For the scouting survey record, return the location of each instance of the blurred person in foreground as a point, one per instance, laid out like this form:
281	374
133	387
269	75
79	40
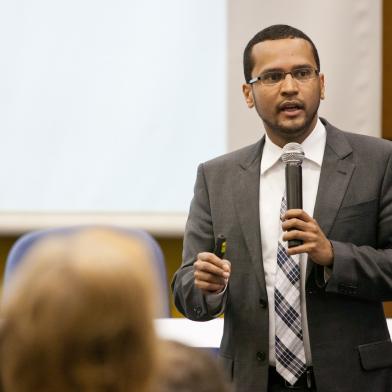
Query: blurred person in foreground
182	368
78	316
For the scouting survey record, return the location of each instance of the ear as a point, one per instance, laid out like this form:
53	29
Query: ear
322	86
248	94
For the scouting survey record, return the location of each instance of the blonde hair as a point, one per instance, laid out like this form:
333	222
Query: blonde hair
79	316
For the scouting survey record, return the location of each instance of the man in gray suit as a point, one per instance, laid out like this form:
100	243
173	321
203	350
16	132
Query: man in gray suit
344	265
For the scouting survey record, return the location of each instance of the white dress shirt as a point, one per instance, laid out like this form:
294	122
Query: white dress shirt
272	188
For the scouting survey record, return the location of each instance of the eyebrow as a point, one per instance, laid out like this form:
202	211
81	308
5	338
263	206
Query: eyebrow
282	70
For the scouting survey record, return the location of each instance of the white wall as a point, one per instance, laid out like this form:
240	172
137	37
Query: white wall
348	37
108	107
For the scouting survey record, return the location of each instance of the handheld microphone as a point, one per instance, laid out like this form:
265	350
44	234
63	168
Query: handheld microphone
292	157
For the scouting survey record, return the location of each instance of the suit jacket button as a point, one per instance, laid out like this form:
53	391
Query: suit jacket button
260	355
262	303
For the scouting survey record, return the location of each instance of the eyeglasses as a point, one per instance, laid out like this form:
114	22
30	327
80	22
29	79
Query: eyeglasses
274	77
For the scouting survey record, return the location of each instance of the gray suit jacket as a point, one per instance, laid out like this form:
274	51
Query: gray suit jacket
350	343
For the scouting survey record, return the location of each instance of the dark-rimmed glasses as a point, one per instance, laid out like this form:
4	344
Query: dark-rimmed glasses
274	77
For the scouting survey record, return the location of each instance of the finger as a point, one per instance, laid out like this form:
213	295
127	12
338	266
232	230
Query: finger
208	257
322	255
211	258
305	236
209	278
296	250
211	268
311	248
299	224
227	266
297	213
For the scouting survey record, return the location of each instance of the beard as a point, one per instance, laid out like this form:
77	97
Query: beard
294	130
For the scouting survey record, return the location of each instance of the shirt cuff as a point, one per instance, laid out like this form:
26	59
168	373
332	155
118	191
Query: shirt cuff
327	274
216	302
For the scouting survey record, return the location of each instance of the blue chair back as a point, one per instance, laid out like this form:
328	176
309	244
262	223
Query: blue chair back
26	241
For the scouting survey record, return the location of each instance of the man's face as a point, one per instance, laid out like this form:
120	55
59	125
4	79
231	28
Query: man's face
289	108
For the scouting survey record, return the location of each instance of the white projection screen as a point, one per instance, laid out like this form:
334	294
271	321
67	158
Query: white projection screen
107	108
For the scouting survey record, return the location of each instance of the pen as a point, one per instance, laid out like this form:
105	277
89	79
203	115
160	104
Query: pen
220	246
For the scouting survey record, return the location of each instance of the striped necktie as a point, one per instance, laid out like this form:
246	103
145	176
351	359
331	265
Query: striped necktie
289	346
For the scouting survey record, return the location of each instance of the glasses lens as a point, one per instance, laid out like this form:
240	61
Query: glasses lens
302	74
272	77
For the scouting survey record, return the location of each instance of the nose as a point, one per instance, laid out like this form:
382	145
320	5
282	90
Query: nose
289	85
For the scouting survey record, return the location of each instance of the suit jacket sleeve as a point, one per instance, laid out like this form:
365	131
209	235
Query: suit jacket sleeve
199	237
365	271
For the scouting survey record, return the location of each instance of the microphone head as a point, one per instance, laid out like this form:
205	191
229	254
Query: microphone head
292	154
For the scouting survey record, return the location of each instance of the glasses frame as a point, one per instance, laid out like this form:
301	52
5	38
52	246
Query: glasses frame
258	78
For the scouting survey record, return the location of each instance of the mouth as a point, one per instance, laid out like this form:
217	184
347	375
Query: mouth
291	108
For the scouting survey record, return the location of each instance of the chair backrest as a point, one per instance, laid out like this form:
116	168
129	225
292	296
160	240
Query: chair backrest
26	241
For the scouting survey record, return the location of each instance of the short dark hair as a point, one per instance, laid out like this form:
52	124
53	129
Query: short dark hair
274	32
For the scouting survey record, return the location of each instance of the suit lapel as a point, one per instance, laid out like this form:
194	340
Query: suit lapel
246	200
335	175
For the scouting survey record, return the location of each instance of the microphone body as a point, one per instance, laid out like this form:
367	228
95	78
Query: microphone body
293	156
294	193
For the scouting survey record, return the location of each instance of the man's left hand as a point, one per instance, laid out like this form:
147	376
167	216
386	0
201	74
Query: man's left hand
302	227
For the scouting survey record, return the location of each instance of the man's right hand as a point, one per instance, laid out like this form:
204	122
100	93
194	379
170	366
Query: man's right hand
211	273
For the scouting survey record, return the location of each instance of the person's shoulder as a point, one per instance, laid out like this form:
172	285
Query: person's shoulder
368	142
243	156
358	142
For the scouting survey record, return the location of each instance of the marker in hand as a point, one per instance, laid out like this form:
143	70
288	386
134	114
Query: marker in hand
220	246
219	251
211	273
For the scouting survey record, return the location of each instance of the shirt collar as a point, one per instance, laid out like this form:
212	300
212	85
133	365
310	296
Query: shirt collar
313	147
